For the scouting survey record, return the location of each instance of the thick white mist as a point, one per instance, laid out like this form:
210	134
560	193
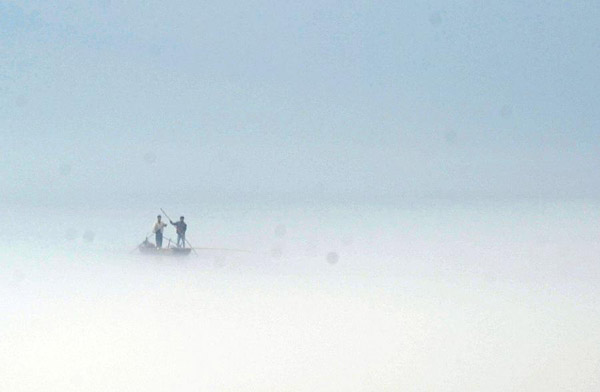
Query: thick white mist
439	297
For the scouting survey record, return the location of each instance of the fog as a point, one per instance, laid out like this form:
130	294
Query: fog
334	100
380	196
435	296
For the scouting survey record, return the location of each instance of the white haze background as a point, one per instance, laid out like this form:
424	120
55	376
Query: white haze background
415	181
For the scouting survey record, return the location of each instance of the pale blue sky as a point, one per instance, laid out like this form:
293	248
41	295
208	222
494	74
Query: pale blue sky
312	100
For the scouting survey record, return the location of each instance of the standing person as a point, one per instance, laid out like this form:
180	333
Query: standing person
181	229
159	226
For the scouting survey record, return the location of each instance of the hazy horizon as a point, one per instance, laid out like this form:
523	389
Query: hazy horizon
317	100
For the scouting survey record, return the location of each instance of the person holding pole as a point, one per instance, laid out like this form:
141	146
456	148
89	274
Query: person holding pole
183	240
158	229
181	228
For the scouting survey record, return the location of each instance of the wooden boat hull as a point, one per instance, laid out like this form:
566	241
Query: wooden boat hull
165	251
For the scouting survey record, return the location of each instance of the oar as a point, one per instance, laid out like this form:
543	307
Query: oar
188	242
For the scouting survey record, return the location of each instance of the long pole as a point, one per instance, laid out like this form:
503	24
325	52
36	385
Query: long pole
188	242
227	249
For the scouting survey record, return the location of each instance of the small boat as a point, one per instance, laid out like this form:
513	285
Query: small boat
149	248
